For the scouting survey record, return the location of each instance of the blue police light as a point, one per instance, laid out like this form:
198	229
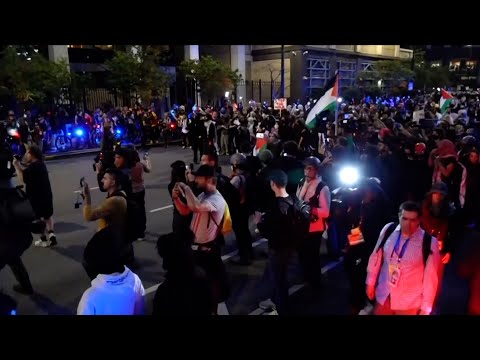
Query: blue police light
79	132
69	134
118	132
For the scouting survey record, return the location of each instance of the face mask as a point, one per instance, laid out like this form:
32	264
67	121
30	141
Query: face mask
276	126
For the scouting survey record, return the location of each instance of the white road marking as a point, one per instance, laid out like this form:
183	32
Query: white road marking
93	188
297	287
222	309
162	208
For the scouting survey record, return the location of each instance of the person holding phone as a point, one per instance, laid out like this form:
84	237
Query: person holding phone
39	192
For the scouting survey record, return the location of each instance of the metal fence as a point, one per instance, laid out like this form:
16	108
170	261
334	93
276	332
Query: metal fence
90	99
259	90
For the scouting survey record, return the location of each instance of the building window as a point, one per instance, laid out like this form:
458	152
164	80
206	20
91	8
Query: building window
368	67
104	47
318	73
347	71
454	65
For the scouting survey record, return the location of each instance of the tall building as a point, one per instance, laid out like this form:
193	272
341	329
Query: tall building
461	60
306	67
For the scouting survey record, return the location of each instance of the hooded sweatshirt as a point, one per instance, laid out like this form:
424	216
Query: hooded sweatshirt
114	294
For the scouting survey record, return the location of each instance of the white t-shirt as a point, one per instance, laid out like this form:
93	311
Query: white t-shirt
114	294
205	225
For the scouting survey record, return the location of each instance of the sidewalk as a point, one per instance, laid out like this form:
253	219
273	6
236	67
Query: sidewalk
67	154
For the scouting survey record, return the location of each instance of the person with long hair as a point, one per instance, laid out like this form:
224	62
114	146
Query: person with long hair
139	168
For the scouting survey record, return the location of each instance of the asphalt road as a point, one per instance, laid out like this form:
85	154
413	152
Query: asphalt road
57	274
60	280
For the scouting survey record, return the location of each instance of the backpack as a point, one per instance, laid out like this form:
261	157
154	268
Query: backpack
301	215
427	240
225	226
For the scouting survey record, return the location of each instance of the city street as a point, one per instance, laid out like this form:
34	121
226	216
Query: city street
59	278
57	274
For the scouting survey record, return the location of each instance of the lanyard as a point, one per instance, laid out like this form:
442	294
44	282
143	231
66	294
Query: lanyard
397	245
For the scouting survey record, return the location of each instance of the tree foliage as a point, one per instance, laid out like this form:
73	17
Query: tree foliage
138	74
213	76
32	77
391	72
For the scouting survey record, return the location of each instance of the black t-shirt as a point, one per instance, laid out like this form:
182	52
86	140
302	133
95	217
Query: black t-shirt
37	182
277	224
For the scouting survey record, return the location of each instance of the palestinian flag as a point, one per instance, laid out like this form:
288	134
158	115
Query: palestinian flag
260	144
327	102
445	101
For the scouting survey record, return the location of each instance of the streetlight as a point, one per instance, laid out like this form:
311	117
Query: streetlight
339	100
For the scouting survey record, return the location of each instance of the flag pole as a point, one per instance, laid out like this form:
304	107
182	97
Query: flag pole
336	105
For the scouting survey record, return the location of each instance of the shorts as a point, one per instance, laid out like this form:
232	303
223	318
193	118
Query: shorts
42	209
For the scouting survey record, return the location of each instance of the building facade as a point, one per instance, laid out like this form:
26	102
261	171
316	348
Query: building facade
306	67
461	60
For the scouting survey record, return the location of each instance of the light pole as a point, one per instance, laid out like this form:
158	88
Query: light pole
282	73
339	101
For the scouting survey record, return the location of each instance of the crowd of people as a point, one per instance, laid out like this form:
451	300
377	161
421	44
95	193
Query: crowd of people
396	225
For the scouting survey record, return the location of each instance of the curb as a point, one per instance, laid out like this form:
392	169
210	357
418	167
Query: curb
64	155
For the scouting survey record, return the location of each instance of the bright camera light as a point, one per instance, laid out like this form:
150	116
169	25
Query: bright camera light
349	175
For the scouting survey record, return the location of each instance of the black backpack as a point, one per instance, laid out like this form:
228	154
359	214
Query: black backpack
300	213
426	245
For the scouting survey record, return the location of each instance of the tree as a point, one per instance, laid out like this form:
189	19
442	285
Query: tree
124	74
32	77
352	92
137	73
428	77
212	76
391	73
80	82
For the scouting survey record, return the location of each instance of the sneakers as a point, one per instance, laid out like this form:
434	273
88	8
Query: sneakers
267	305
43	242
